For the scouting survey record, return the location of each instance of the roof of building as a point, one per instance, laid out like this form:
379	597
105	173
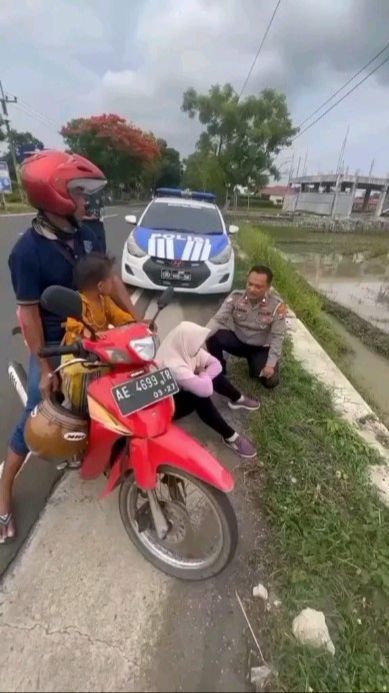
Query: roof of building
276	190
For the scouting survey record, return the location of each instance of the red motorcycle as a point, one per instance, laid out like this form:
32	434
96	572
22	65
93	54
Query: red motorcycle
172	496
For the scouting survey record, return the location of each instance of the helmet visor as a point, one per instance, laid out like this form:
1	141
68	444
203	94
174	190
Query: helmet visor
86	186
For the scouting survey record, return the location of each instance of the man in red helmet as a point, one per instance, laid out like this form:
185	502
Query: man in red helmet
57	185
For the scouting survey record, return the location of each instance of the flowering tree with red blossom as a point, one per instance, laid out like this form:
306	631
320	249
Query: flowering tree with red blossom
120	149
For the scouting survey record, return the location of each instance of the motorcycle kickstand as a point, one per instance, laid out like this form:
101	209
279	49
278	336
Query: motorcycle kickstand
161	525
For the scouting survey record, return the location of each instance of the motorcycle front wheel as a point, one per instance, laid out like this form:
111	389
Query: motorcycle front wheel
203	531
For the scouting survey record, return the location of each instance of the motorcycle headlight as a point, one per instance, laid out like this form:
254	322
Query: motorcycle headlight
223	257
133	248
146	348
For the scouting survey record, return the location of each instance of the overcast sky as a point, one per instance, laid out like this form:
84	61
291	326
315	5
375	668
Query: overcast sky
66	58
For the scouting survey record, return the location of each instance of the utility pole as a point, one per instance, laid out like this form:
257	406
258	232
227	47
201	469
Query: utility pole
305	164
340	166
291	168
298	167
5	100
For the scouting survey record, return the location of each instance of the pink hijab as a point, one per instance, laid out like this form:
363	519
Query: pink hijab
182	350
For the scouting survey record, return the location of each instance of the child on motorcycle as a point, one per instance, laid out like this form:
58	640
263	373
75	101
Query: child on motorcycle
93	276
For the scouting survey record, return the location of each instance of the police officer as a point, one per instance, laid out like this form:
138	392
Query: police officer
251	324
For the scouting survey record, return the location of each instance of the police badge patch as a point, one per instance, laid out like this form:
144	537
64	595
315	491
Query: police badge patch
88	246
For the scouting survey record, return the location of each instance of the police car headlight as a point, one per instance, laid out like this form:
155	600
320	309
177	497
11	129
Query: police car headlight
133	248
223	257
146	347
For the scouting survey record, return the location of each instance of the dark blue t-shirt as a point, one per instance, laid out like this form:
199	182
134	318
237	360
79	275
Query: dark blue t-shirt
97	226
36	263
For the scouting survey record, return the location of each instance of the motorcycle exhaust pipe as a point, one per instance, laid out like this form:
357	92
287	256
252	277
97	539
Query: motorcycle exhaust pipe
18	378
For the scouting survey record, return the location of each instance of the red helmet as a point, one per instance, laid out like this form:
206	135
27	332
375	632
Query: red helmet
50	176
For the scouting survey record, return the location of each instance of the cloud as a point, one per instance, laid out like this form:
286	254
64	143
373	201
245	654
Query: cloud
138	58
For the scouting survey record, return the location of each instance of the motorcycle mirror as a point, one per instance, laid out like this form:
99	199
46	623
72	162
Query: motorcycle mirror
62	302
165	298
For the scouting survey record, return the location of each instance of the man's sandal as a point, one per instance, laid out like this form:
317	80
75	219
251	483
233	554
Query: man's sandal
6	521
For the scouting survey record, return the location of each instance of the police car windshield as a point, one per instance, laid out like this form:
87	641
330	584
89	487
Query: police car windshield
183	218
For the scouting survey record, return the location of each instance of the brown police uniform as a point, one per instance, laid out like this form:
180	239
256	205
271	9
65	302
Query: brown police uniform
254	331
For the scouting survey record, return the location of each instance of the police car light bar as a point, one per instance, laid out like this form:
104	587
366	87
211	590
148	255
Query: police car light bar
193	194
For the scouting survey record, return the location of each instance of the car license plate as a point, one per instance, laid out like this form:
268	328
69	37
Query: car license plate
141	392
176	275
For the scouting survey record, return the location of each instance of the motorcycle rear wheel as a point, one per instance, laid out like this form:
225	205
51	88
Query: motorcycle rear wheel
178	554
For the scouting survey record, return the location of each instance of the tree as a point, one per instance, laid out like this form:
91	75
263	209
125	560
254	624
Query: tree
20	140
119	148
245	136
169	175
164	172
204	172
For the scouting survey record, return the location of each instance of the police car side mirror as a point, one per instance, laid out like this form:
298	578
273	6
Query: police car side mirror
233	229
62	302
130	219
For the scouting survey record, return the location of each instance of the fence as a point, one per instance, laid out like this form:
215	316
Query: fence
325	204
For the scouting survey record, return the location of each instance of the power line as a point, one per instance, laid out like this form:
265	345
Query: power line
342	98
344	85
260	48
36	116
38	113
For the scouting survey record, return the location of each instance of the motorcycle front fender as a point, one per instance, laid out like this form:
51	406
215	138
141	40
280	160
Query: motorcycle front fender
175	448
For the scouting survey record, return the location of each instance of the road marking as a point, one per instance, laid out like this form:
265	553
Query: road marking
109	216
26	460
17	214
135	296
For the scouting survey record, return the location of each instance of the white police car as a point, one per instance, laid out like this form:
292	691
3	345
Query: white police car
181	241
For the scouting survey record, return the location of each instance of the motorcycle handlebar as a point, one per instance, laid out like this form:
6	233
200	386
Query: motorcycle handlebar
57	350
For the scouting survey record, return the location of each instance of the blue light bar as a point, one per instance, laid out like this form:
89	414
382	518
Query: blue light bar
169	192
178	192
206	196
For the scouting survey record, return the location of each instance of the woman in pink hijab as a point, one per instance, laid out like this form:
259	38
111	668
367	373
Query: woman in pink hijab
198	375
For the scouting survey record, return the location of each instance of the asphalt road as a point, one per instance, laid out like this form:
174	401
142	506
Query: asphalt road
103	618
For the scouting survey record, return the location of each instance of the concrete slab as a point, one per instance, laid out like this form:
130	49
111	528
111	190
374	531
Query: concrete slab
81	608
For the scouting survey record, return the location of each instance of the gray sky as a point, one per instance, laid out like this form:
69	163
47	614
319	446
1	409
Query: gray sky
65	59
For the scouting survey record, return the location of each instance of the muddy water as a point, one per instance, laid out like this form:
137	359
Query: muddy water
360	282
368	371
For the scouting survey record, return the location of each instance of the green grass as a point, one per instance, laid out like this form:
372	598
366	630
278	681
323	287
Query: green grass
259	209
329	538
295	290
321	241
328	545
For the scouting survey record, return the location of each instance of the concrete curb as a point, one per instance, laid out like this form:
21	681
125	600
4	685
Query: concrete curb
347	401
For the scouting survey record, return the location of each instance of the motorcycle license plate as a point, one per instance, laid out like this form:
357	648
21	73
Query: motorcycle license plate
141	392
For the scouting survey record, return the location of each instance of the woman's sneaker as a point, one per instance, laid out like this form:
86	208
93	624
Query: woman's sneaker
244	402
242	447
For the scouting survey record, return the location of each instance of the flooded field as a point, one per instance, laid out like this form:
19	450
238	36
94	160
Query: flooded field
352	270
357	280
